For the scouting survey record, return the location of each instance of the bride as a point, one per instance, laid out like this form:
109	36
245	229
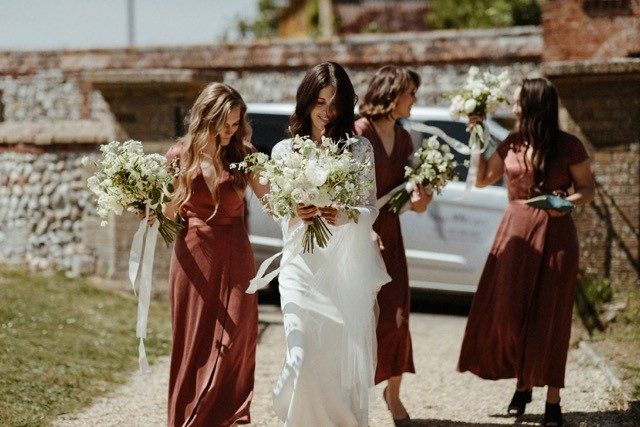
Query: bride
328	297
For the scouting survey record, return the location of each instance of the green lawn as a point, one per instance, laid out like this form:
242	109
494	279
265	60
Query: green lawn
65	341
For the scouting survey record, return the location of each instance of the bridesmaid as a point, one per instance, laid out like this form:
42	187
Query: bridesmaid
390	96
520	319
214	321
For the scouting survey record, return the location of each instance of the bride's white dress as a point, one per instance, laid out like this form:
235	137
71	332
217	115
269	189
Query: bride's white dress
328	300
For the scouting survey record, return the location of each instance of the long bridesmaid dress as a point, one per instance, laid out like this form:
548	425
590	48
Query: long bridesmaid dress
520	319
395	353
215	323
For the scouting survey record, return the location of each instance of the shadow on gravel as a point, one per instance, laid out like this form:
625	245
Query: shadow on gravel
440	303
445	423
630	417
421	301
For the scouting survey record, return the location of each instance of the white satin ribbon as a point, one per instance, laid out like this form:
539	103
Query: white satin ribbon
293	245
141	274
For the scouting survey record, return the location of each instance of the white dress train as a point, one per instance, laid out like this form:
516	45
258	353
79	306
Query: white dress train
328	300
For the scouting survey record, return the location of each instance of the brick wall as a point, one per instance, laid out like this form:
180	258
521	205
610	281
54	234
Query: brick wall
382	17
601	104
573	30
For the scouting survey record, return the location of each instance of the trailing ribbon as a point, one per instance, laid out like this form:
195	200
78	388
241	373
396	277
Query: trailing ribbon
141	261
294	240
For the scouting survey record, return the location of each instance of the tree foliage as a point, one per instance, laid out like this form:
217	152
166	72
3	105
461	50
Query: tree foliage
266	24
449	14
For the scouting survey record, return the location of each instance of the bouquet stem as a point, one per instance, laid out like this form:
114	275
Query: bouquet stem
168	229
397	201
316	233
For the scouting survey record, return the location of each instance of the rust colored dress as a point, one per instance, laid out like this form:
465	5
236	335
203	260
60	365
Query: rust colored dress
395	354
520	319
215	323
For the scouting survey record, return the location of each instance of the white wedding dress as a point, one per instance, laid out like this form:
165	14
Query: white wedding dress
328	300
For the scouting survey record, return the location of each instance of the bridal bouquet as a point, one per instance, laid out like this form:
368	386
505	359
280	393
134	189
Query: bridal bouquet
321	175
126	179
433	168
481	95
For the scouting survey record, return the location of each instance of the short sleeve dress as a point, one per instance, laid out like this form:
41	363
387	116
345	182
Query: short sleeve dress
520	319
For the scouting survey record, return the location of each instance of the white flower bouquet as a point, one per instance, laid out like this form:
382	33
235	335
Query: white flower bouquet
481	95
433	168
321	175
126	179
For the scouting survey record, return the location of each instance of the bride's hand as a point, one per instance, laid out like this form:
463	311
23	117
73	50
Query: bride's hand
306	213
330	214
377	240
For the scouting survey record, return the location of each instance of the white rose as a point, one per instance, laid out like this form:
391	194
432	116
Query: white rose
470	106
316	174
409	186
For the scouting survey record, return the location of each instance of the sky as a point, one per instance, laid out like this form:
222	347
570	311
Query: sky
72	24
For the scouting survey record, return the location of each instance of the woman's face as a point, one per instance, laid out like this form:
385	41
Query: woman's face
230	127
405	101
323	111
517	107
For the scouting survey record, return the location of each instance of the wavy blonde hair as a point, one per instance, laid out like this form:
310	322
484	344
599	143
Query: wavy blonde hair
386	85
208	117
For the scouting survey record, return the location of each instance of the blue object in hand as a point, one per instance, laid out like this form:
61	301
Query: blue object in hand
550	202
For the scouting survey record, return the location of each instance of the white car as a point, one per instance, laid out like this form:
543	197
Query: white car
446	246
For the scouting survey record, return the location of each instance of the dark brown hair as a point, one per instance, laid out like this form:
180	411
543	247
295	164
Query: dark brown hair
539	125
386	85
344	100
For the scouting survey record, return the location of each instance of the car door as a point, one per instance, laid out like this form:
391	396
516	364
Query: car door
447	245
264	233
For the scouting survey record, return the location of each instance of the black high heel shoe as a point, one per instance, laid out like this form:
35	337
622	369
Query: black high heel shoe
519	402
552	414
405	422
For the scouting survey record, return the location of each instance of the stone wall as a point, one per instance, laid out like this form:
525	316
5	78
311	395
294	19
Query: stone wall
43	198
139	92
281	86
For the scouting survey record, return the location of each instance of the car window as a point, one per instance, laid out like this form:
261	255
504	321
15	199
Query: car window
267	130
456	130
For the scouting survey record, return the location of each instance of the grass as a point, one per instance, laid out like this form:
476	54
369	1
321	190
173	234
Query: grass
621	342
63	342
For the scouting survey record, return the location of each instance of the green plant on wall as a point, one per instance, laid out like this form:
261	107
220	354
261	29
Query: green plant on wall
450	14
592	293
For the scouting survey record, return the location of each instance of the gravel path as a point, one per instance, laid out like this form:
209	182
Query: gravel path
436	396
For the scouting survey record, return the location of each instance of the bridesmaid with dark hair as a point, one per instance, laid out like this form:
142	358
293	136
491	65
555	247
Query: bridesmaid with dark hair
520	319
390	96
215	323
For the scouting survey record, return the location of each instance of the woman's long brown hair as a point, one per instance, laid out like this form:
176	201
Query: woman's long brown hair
207	119
323	75
539	125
